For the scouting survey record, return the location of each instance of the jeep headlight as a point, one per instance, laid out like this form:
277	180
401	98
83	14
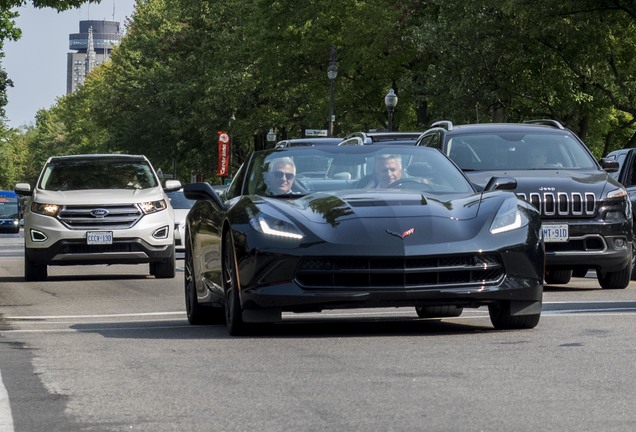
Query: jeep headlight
617	193
45	209
509	217
153	206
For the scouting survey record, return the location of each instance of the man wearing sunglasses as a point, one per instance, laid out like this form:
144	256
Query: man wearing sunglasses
280	176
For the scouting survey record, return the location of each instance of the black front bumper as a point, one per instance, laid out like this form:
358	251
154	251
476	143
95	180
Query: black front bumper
122	251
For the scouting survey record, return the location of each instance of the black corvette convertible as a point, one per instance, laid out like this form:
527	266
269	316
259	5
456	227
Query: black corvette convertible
303	229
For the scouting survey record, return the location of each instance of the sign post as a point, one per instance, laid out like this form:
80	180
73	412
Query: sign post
225	151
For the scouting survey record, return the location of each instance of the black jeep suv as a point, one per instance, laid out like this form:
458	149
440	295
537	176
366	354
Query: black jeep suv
586	214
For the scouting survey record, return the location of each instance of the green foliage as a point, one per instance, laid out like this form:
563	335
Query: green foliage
13	158
189	68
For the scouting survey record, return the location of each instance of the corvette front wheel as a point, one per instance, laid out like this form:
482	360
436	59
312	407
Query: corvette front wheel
233	310
197	313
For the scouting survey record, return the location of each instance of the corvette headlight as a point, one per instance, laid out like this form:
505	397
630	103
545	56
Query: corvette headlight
275	226
508	218
45	209
153	206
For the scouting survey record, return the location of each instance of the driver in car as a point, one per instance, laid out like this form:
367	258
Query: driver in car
387	170
280	176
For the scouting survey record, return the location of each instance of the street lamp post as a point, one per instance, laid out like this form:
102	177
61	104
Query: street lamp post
390	100
271	137
332	73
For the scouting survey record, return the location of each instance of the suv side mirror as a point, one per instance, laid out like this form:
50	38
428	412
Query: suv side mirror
23	189
172	185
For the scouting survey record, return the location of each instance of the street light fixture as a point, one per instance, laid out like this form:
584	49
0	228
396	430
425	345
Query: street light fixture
332	73
390	100
271	137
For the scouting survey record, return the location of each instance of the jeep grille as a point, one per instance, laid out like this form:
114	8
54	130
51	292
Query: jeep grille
118	217
562	203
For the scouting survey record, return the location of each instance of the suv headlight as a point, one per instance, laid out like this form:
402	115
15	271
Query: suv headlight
617	193
153	206
46	209
508	218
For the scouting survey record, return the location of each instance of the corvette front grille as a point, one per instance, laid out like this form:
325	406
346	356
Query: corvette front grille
409	272
582	204
116	216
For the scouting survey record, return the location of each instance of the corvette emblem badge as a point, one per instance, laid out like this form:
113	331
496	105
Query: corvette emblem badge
406	233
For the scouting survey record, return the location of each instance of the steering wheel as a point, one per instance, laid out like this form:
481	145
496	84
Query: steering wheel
405	183
299	187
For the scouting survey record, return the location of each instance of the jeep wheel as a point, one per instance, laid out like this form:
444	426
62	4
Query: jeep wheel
558	276
502	318
615	280
445	311
579	273
33	271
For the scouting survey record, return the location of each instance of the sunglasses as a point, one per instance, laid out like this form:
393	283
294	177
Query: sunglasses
278	175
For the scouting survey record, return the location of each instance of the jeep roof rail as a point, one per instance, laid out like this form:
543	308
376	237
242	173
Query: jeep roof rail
446	124
547	122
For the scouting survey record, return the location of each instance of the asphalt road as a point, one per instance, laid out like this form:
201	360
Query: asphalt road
101	348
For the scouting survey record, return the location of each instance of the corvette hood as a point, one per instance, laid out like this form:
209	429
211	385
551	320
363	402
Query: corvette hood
96	196
331	208
370	219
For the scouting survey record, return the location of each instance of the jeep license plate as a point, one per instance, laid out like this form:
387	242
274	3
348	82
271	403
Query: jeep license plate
99	237
555	233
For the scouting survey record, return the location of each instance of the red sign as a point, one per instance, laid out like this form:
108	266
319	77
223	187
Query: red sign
225	149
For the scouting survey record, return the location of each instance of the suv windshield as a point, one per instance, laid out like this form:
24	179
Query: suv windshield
518	151
81	174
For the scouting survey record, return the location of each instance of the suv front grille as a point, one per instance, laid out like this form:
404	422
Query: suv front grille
563	204
114	217
409	272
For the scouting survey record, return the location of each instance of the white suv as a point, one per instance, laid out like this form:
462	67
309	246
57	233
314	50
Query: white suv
98	209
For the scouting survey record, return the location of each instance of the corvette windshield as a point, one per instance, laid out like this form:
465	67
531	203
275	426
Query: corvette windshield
303	170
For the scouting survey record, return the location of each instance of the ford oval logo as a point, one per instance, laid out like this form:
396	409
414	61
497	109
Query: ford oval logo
99	213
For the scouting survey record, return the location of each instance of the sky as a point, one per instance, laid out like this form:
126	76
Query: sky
36	63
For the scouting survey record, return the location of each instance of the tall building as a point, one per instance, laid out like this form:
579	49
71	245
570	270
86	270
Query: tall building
92	45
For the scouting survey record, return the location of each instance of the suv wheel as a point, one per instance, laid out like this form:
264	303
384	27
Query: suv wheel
164	269
445	311
33	271
502	318
558	276
615	280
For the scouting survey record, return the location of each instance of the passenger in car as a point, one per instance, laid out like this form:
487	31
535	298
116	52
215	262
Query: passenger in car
387	170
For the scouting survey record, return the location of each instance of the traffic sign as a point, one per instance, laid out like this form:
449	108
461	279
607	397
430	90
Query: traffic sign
315	132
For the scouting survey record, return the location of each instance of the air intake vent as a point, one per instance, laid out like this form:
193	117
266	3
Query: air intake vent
411	272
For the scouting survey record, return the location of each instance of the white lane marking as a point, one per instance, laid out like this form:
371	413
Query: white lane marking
6	419
43	317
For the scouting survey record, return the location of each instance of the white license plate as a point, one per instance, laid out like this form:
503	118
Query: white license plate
99	237
555	233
